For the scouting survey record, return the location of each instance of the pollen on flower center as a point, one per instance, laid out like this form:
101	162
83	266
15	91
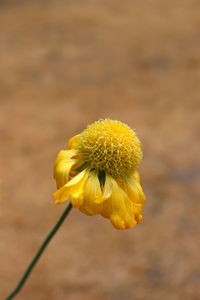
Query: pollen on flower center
111	146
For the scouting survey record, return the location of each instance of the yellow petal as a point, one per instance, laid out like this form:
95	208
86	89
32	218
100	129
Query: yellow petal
73	142
119	209
71	189
110	204
136	176
62	195
138	212
76	179
92	192
62	171
65	154
108	187
107	190
117	221
77	189
134	191
63	166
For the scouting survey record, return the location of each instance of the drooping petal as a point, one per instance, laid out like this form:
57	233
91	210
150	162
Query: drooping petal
62	172
77	191
63	166
92	191
138	212
76	179
136	176
134	190
63	155
73	142
61	195
107	190
110	203
108	187
72	189
119	209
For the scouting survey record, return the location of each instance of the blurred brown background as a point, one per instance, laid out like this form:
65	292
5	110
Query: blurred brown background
63	65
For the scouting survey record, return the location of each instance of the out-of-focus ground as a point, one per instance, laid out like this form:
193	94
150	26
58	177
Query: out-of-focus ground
64	64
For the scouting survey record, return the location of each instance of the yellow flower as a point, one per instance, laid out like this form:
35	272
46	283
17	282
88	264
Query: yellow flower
98	173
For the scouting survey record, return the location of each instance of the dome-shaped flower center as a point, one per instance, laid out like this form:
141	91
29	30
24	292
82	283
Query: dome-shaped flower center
111	146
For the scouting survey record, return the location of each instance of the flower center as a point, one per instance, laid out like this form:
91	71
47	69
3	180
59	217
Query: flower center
110	146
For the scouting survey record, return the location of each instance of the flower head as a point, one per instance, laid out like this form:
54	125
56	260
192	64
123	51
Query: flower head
99	174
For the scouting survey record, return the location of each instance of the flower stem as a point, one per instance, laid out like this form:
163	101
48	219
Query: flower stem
39	252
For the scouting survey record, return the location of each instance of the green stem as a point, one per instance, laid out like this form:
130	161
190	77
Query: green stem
39	252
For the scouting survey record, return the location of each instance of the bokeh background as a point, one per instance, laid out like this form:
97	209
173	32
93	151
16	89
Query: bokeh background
63	65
